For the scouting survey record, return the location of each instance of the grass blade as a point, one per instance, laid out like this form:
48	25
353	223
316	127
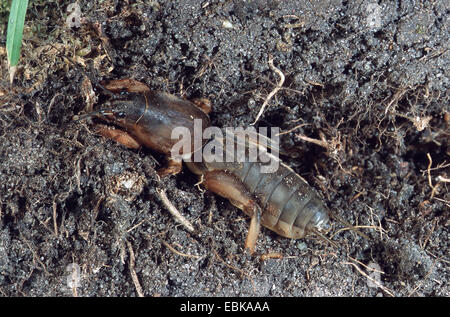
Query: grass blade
15	32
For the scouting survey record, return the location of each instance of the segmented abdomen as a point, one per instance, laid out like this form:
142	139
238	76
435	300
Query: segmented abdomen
289	205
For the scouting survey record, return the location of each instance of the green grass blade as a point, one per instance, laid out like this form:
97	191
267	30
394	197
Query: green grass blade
15	30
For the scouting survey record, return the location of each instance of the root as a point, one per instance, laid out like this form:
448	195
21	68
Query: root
174	211
374	281
440	179
273	92
168	246
134	276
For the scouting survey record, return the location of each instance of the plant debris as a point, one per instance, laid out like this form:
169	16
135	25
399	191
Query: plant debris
362	103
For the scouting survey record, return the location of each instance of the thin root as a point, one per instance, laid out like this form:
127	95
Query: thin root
439	178
324	238
174	211
273	92
360	227
321	143
178	252
55	224
430	162
134	276
385	289
242	272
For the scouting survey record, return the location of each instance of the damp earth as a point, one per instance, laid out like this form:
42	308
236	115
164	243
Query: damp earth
363	112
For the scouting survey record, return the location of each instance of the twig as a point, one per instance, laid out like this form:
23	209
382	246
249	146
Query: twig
134	276
273	92
174	211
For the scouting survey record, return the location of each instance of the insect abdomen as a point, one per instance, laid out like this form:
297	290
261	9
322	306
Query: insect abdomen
289	205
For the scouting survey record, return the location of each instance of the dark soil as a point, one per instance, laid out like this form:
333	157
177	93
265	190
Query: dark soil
370	81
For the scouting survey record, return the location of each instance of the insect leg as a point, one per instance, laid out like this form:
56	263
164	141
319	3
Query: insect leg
253	230
173	167
119	136
230	187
